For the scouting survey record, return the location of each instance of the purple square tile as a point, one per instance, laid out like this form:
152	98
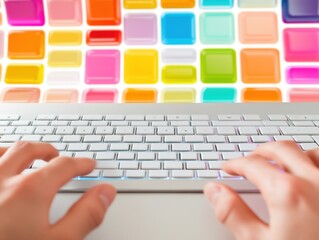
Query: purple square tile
140	29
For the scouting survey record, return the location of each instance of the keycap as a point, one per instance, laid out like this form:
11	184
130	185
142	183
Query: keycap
225	147
43	130
153	139
51	138
231	155
303	123
207	174
210	156
299	130
119	123
40	123
92	139
181	147
251	117
31	138
260	139
20	123
196	165
119	147
79	123
135	118
49	117
71	138
84	155
113	139
188	156
238	139
126	156
194	139
200	117
133	139
146	156
283	138
139	147
173	165
135	174
10	138
93	174
68	117
216	139
167	156
107	164
77	147
165	131
180	123
173	139
204	130
7	130
275	123
155	117
303	139
124	130
185	131
59	123
277	117
308	146
152	165
84	130
112	173
105	156
158	174
114	117
104	130
229	117
247	131
237	123
182	174
247	147
65	130
269	131
92	117
203	147
145	130
98	147
178	117
128	165
59	146
226	131
224	174
12	117
25	130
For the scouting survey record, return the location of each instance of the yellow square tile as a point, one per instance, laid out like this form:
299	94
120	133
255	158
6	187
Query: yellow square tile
24	74
140	4
178	3
65	59
65	38
141	66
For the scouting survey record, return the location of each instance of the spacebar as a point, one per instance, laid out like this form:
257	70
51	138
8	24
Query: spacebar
164	186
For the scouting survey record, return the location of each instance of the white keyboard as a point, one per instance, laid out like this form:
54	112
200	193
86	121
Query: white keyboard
158	148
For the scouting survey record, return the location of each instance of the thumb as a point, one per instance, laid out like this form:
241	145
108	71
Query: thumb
86	214
232	211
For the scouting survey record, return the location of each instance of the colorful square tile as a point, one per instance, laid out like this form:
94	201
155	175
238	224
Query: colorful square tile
258	27
140	29
303	75
260	66
65	58
301	44
218	66
71	15
216	3
61	96
20	95
100	95
25	12
141	66
102	67
178	95
296	11
178	28
257	3
65	38
1	44
103	12
179	74
217	28
178	3
135	95
262	95
104	37
24	74
304	95
140	4
211	95
18	49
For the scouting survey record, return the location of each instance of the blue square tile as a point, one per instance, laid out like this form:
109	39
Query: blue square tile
178	28
296	11
216	3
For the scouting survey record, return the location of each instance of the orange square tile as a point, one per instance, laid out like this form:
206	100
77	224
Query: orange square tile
20	95
26	44
103	12
178	3
260	66
134	95
261	95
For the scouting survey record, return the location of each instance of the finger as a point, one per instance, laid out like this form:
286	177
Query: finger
86	214
232	211
22	154
257	170
314	156
61	170
289	155
2	151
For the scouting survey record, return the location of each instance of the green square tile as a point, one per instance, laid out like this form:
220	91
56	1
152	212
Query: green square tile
217	28
218	66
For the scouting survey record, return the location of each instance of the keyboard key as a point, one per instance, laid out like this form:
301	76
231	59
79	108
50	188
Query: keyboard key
203	147
153	139
140	123
113	139
105	156
71	138
40	123
173	139
51	138
194	139
181	147
251	117
92	139
84	155
79	123
124	130
269	131
114	117
151	165
92	117
126	156
188	156
119	147
59	146
95	147
210	156
283	138
11	117
49	117
167	156
300	130
182	174
65	130
25	130
275	123
42	130
146	156
238	139
179	123
119	123
31	138
195	165
59	123
173	165
129	165
261	139
224	174
216	139
207	174
133	139
236	123
204	130
145	130
231	155
69	117
229	117
200	117
247	131
165	131
247	147
308	146
112	173
135	174
135	118
277	117
303	123
10	138
155	117
303	139
74	147
158	174
185	131
216	164
226	131
107	164
104	130
139	147
226	147
178	117
20	123
84	130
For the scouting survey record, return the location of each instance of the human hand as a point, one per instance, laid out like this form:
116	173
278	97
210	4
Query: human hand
290	189
25	200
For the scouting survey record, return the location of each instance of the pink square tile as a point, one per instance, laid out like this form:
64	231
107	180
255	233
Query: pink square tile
102	67
100	96
71	15
61	96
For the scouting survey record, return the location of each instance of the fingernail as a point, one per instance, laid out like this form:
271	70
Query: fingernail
214	192
104	196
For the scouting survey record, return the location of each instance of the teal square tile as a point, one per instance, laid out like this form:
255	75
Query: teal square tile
217	28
